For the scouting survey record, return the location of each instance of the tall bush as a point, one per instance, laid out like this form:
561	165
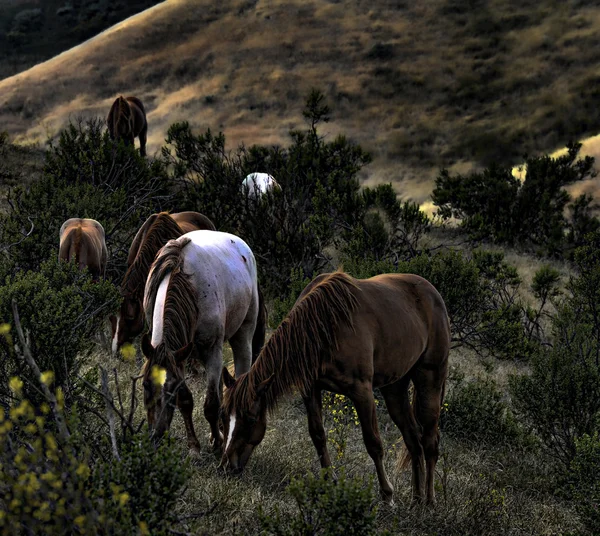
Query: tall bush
86	175
495	204
60	309
561	397
288	228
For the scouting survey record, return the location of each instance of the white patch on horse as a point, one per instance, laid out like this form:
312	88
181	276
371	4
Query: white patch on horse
159	311
114	341
231	427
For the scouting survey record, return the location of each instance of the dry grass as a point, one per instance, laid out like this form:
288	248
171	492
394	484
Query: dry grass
420	84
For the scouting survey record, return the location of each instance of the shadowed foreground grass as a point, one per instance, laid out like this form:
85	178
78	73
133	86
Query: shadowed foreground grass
481	490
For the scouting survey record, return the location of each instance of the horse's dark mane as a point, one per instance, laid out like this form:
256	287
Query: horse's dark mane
296	351
162	229
181	304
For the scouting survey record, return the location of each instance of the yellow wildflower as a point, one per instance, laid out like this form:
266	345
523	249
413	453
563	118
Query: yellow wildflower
83	470
15	384
128	351
159	375
4	329
123	498
144	531
79	521
47	377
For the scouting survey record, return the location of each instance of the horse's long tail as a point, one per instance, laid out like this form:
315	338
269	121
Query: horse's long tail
258	339
169	260
406	457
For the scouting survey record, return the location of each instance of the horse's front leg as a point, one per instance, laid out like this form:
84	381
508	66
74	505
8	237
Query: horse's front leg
212	402
314	411
185	403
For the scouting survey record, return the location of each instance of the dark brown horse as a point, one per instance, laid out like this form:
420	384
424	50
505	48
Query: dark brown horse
157	230
348	336
126	120
83	240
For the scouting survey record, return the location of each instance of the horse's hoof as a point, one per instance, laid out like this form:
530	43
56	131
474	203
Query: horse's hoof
195	455
216	446
387	497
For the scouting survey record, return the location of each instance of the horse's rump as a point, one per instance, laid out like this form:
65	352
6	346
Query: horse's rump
83	239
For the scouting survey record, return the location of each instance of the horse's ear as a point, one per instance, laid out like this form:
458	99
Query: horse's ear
228	378
183	353
263	387
147	348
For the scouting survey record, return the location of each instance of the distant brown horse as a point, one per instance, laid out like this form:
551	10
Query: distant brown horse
126	120
83	240
348	336
157	230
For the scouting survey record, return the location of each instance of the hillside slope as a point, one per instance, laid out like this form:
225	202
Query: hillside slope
32	31
420	84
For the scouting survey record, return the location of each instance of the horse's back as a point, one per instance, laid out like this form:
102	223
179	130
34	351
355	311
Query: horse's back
136	102
397	318
258	183
223	268
219	250
193	221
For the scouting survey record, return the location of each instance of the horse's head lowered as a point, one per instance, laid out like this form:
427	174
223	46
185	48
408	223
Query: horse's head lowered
128	323
244	417
162	375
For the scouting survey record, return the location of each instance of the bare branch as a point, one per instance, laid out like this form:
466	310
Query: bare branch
109	412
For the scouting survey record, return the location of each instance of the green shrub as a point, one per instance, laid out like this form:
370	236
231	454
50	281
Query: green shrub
50	485
584	480
326	507
152	479
282	306
561	397
476	411
86	175
60	309
494	204
287	229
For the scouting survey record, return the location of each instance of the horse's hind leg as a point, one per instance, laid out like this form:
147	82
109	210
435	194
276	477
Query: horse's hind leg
398	406
314	410
213	364
429	386
362	398
143	138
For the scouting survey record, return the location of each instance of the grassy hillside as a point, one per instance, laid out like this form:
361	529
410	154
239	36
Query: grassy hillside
32	31
420	84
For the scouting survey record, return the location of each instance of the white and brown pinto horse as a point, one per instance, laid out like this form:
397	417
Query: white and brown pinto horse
202	291
126	120
257	184
157	230
348	336
83	239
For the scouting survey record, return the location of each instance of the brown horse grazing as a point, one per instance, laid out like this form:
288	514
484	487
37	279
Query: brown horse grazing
157	230
348	336
126	120
83	239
